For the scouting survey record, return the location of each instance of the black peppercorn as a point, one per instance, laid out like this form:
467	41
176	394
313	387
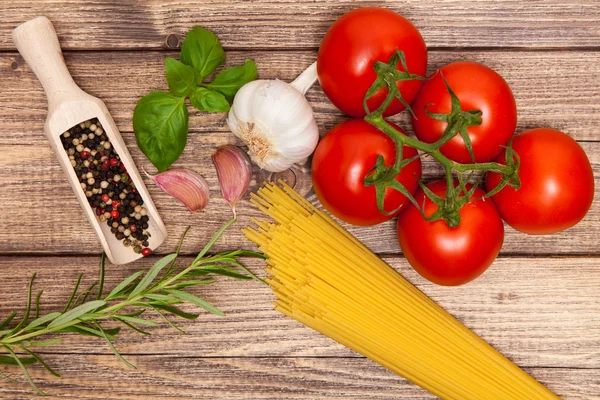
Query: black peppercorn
145	225
120	236
113	231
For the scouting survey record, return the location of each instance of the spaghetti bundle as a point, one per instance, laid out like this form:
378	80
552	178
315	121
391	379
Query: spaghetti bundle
325	278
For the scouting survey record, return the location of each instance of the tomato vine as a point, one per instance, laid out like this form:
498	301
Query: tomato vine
458	120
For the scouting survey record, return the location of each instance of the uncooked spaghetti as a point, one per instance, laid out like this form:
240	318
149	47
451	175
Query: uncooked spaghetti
325	278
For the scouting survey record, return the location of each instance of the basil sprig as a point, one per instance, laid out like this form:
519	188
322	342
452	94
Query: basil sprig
160	119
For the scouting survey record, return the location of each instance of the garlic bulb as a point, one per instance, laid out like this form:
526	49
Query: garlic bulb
275	121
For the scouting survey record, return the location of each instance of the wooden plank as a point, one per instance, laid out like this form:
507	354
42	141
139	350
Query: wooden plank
301	24
101	377
539	312
36	203
551	89
31	172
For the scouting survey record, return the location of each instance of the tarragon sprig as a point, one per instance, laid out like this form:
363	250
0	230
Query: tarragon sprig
160	290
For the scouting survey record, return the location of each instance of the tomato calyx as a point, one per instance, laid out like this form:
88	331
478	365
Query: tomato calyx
513	161
383	177
387	77
449	207
457	121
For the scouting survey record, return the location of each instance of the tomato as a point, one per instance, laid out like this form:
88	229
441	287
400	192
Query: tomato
353	44
477	88
342	160
451	256
557	183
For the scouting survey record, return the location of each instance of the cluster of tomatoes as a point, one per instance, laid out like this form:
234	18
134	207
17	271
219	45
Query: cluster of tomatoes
556	179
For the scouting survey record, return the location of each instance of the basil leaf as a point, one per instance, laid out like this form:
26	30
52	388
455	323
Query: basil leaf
202	50
160	123
208	100
180	77
229	81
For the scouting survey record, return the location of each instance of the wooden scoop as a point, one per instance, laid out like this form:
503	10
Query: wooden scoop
68	106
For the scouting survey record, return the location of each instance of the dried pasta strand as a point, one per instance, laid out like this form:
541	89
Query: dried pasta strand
325	278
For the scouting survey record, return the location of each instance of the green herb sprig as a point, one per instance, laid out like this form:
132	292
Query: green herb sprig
160	119
160	290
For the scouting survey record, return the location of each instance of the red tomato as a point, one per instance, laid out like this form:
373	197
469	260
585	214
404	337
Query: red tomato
353	44
451	256
478	88
557	183
342	160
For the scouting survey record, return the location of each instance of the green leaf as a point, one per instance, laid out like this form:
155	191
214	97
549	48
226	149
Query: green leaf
28	307
124	284
37	303
160	123
25	372
209	100
224	272
73	293
6	360
230	80
45	343
202	50
180	77
185	296
138	330
8	320
184	284
169	321
134	320
102	269
85	330
159	297
77	312
42	320
41	361
212	241
112	347
152	274
176	311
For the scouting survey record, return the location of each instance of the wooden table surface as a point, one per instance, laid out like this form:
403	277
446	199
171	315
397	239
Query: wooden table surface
539	303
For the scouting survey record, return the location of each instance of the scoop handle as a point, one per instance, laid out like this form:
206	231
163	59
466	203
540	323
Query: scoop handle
37	42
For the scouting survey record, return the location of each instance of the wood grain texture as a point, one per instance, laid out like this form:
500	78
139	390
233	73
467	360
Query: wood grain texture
32	173
103	377
556	89
551	91
539	312
159	24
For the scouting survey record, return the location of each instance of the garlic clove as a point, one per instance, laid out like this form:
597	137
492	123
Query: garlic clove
187	186
234	171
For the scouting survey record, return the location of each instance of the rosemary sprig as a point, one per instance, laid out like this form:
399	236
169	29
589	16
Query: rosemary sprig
160	289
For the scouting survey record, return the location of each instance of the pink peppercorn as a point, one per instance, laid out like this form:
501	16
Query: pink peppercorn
146	252
114	214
